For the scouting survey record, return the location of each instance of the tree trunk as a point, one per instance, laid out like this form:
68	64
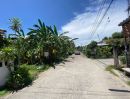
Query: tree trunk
128	59
115	55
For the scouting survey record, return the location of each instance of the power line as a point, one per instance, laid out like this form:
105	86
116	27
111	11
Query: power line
101	19
105	26
98	15
128	7
98	37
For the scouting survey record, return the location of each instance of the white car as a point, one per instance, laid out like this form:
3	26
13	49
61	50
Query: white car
77	53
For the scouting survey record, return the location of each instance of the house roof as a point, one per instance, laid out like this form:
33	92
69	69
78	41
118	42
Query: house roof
125	21
102	43
2	31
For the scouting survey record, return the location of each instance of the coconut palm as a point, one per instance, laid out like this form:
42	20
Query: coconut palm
15	25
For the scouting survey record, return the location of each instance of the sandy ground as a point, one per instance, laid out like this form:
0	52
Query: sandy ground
78	78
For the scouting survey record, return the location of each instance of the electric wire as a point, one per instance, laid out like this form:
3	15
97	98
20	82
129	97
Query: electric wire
100	21
102	4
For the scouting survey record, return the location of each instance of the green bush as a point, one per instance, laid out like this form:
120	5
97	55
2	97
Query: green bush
19	79
34	70
123	59
104	52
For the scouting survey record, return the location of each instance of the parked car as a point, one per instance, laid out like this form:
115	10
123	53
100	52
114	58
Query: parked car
77	53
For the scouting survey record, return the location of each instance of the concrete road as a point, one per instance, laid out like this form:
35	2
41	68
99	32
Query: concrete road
78	78
106	62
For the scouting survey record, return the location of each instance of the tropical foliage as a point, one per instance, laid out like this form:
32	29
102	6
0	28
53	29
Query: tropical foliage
92	50
39	41
41	45
116	41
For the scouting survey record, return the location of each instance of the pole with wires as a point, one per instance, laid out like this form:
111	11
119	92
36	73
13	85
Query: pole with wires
128	7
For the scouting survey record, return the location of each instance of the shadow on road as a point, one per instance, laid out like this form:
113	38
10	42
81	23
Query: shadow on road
118	90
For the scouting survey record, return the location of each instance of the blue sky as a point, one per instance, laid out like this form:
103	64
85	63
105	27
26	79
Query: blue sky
75	16
57	12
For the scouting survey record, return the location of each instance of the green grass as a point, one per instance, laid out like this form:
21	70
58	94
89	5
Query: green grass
128	83
3	92
34	70
111	69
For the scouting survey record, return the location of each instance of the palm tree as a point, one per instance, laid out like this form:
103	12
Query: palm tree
15	25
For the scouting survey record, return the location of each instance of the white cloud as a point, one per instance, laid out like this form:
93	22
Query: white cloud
80	26
93	2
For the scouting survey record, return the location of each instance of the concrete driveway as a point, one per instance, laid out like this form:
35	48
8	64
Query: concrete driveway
78	78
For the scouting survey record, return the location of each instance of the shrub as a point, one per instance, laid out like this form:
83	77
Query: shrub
34	70
19	79
123	59
104	52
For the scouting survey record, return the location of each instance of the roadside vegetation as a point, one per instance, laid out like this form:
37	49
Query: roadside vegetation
92	50
111	69
3	92
28	54
109	47
128	83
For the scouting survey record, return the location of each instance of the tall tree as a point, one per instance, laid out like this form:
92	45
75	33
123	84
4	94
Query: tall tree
15	25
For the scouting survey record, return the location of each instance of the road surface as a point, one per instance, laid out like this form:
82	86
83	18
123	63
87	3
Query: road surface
106	62
78	78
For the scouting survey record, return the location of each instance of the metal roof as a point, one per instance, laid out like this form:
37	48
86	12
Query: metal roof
102	43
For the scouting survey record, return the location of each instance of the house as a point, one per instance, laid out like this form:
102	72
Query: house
126	27
2	36
2	33
126	32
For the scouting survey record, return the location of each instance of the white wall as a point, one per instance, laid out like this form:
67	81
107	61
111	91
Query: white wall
4	72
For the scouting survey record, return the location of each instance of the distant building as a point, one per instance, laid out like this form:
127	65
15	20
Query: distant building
2	34
102	43
12	36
